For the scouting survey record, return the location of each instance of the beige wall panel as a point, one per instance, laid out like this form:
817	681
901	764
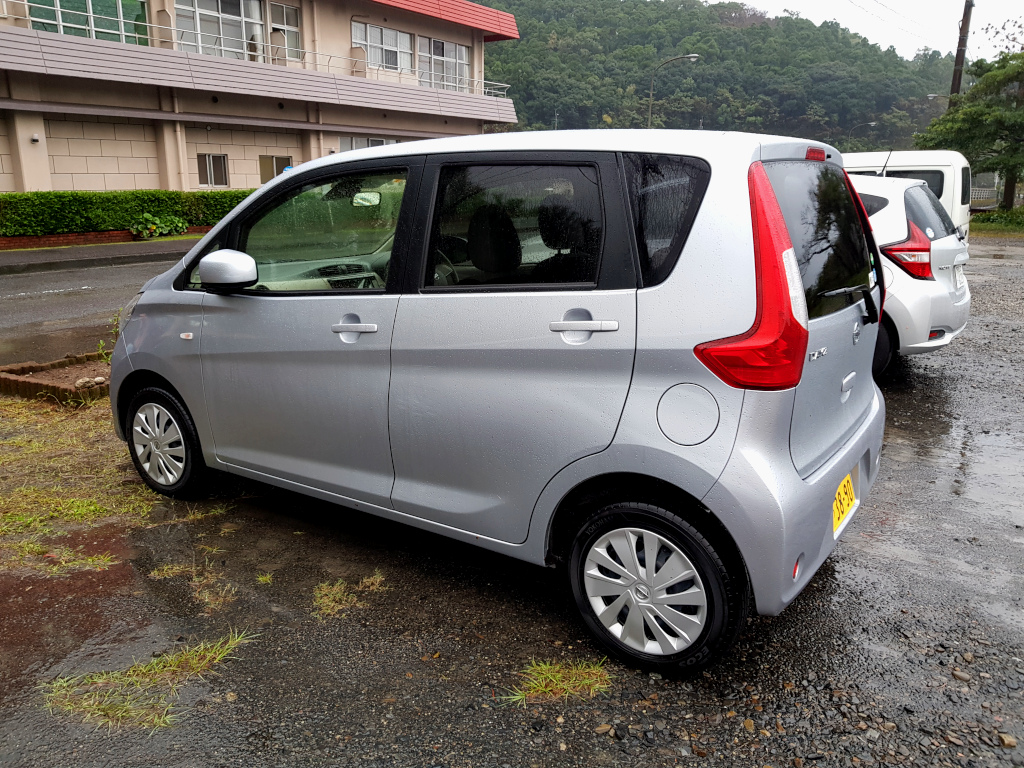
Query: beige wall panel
119	180
67	164
98	130
242	138
58	147
101	164
243	167
66	129
30	162
62	182
144	149
114	148
152	165
133	165
89	181
129	133
84	147
147	181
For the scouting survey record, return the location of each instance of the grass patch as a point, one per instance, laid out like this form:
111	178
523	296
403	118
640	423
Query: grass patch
995	229
330	600
53	560
265	578
545	681
142	695
373	583
208	585
62	469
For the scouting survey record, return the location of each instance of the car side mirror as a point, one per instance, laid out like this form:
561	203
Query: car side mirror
226	270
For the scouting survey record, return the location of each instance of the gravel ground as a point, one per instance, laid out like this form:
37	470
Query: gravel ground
906	648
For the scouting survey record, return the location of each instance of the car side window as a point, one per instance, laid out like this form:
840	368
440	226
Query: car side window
515	225
331	234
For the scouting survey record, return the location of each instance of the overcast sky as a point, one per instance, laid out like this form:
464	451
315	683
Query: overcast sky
906	24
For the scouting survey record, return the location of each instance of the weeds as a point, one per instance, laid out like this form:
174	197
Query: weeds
329	600
170	571
55	561
265	578
373	583
142	695
555	681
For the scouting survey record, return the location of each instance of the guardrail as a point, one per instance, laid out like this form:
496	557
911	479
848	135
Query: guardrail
49	17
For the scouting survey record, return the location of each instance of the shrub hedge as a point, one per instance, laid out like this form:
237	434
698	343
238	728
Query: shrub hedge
1014	218
58	213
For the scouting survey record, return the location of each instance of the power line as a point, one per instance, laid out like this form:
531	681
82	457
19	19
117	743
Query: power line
889	21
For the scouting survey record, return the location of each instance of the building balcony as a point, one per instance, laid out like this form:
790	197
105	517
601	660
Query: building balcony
68	38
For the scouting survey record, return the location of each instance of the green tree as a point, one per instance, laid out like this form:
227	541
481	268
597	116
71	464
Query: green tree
987	123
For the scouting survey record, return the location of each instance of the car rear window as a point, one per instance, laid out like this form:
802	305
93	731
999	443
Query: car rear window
825	228
924	209
965	185
665	193
935	180
874	203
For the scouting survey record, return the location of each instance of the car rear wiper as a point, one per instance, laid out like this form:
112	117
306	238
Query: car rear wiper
865	291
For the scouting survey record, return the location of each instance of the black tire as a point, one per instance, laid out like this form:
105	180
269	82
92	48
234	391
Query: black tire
191	482
725	587
885	349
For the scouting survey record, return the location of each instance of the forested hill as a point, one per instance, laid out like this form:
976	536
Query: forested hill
591	60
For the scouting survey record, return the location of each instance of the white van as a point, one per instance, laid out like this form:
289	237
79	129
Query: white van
947	174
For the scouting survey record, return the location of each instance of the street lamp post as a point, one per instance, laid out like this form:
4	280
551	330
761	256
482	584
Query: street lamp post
872	124
650	98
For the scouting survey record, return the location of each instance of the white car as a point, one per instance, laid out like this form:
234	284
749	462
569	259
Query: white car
927	301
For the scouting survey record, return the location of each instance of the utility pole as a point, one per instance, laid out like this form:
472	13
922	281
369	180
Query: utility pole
961	49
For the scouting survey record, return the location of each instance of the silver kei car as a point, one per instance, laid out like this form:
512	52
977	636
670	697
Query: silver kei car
644	357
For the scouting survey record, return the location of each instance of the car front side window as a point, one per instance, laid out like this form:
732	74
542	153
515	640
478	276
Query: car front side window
332	234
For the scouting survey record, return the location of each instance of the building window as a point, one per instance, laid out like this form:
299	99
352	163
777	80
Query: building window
284	32
229	28
443	64
120	21
213	170
272	165
385	48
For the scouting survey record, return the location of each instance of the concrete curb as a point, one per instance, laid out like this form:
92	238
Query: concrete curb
86	262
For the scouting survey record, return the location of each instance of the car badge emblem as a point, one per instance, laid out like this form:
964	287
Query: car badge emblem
856	333
930	232
642	592
818	353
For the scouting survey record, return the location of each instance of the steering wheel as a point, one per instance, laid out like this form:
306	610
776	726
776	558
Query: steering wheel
444	271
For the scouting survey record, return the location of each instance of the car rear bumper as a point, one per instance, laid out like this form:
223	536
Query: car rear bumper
929	307
778	518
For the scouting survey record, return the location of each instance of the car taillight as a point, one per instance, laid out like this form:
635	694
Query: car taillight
770	355
914	254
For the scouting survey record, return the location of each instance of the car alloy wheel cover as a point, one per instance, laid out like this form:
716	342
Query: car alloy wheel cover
159	446
645	591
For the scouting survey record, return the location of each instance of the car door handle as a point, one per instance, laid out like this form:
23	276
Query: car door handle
590	326
354	328
848	382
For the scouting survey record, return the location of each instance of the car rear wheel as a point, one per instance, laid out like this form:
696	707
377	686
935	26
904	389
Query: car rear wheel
164	445
885	349
654	590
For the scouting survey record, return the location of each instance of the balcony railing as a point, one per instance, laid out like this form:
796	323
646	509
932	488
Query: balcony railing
55	17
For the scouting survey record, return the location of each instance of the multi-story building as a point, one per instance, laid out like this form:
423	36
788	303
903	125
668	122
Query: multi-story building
207	94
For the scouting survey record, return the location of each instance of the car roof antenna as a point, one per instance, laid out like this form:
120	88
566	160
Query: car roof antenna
886	163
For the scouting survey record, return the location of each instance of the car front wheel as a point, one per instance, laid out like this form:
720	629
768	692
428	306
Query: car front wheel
654	590
163	444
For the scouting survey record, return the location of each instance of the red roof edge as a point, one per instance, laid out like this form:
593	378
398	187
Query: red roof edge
498	24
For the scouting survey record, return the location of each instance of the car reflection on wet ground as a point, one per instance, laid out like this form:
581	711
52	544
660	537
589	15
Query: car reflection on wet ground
907	647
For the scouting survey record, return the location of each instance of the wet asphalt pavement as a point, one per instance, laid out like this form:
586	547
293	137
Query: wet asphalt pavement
907	647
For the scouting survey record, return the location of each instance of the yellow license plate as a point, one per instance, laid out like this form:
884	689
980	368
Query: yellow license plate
844	501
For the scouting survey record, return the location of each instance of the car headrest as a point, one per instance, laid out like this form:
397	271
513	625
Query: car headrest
492	240
562	226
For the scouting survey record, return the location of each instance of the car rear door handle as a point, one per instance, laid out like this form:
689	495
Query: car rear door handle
848	382
590	326
354	328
